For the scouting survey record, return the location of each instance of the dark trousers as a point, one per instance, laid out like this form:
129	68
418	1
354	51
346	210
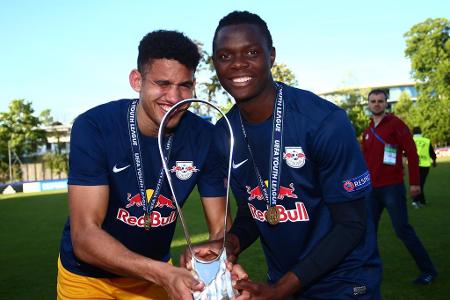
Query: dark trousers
393	197
423	177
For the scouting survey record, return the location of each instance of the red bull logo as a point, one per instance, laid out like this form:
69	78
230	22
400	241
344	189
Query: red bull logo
298	214
156	217
286	192
283	192
158	220
255	193
163	201
134	200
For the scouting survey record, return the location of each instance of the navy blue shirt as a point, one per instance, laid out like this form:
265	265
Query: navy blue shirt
100	154
322	164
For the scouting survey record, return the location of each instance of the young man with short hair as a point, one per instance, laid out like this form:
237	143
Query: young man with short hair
116	243
298	176
384	142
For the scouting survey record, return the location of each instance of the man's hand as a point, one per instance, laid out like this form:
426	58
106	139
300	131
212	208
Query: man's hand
210	250
255	291
179	283
283	289
238	273
414	190
206	251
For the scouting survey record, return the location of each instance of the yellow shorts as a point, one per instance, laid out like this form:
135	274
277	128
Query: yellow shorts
73	286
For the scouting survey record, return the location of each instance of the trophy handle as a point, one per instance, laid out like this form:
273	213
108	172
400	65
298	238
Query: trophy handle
169	177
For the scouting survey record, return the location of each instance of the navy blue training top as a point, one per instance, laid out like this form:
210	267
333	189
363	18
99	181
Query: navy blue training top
322	164
100	154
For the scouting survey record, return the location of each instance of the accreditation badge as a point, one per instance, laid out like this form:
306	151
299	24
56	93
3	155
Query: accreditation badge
390	155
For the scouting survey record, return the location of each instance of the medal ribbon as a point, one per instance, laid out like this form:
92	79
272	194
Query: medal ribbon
270	196
138	162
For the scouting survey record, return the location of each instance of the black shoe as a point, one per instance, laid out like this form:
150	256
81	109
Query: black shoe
425	278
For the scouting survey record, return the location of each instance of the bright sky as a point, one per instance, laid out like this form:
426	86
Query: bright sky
69	56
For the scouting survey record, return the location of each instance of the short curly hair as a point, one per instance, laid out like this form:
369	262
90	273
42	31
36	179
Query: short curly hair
168	44
244	17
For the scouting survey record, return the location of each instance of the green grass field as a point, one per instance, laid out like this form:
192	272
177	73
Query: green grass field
31	225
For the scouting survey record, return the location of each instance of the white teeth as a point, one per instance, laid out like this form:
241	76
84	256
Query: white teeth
166	107
241	79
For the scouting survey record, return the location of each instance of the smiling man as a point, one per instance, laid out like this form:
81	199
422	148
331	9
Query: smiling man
298	176
116	242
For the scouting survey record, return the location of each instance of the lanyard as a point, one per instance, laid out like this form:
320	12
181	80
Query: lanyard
377	136
138	162
270	196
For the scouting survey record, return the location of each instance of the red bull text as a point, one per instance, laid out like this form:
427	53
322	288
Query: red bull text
157	219
299	214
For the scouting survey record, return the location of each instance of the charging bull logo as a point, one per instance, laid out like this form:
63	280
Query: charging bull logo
294	156
161	201
286	192
283	192
184	169
164	201
157	218
255	193
134	200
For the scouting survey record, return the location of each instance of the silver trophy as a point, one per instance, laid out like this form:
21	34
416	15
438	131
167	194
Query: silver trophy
213	273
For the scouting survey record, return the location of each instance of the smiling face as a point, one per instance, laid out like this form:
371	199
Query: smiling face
243	60
164	83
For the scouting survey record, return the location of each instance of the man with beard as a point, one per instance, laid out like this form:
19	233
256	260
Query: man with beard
384	142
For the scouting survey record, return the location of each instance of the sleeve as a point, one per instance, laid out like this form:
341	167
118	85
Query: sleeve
212	179
343	173
87	158
432	153
349	220
409	147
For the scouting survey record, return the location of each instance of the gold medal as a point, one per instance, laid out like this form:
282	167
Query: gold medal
147	221
272	215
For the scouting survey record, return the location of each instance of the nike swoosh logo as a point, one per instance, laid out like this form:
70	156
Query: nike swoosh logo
235	166
117	170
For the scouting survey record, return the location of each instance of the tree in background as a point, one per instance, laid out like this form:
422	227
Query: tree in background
354	102
57	160
405	110
281	72
20	128
209	87
428	47
46	118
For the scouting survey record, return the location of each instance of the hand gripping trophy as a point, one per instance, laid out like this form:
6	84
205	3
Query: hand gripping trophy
213	273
